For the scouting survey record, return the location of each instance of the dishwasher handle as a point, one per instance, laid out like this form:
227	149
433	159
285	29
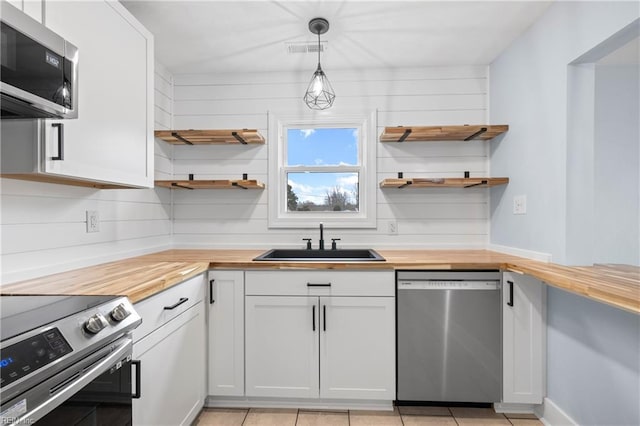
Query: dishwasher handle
448	285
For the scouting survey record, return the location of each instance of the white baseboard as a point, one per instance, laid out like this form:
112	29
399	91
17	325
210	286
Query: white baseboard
552	415
317	404
508	408
529	254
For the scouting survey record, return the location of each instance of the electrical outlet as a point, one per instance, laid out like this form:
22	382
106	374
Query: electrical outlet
392	227
93	221
520	204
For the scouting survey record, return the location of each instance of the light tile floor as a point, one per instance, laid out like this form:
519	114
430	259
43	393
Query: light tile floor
407	416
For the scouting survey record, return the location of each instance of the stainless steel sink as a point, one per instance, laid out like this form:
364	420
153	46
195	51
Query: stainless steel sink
339	255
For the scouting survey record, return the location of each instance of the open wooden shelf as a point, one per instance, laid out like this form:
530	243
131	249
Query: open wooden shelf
442	182
210	137
211	184
441	133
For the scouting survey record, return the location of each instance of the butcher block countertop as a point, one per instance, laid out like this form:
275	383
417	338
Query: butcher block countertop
135	278
144	276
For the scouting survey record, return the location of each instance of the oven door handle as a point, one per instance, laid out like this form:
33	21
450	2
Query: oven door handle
124	348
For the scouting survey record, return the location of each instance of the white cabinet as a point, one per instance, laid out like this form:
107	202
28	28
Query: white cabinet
313	334
524	339
357	348
172	356
282	346
111	141
226	333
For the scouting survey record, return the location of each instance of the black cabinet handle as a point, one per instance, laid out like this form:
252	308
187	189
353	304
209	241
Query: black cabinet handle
324	317
510	302
60	127
178	303
318	284
313	317
211	299
138	365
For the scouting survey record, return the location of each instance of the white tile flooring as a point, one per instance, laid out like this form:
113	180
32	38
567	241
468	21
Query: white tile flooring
414	416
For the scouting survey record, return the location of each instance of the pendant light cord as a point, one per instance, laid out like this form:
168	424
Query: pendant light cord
318	48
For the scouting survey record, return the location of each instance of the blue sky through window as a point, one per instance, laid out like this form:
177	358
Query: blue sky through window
323	147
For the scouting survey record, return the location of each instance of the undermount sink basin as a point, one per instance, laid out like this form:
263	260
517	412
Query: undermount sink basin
302	255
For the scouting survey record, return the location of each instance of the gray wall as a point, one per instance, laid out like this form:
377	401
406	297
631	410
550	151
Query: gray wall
616	237
593	349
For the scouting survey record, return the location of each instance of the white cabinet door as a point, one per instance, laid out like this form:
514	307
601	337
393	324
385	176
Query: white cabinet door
172	371
282	346
111	141
524	339
226	333
357	348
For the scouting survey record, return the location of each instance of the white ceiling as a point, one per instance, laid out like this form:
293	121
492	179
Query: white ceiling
246	36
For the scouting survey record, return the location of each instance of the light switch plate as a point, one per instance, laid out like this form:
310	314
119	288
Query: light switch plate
392	227
520	204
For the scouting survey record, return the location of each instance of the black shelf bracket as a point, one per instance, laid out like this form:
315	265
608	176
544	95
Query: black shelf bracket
245	176
400	174
406	133
476	134
176	184
190	176
483	182
180	138
239	138
238	185
405	184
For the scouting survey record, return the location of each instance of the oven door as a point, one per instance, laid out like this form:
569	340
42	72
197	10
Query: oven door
95	391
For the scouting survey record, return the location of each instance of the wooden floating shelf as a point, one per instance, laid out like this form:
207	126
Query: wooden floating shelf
442	182
441	133
210	184
210	137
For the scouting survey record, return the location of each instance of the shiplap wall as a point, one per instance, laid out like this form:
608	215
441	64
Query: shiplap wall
425	217
43	226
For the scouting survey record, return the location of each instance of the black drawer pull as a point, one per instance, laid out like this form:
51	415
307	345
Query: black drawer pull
313	317
138	381
178	303
211	299
318	284
510	302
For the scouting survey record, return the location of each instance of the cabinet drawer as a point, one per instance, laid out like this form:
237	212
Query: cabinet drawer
319	283
153	312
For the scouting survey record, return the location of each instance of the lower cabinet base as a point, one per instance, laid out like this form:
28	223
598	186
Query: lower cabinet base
303	403
511	408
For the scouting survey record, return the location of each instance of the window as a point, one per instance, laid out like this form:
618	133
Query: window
322	170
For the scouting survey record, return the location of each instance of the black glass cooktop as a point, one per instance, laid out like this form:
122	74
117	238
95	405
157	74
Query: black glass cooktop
19	314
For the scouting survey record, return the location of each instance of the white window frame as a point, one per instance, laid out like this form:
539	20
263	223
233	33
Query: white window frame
365	217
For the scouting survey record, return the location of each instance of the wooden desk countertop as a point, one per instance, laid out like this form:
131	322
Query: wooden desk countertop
143	276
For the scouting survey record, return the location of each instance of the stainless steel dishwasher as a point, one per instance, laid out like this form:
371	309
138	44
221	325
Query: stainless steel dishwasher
449	336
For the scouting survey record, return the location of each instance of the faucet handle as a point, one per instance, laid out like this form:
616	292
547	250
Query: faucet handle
334	246
308	240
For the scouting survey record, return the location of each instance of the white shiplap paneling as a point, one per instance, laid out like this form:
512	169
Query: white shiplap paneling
425	217
43	226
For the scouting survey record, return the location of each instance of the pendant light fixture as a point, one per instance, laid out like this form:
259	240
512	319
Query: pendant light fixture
320	94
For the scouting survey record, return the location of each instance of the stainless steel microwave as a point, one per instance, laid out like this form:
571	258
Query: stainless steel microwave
39	69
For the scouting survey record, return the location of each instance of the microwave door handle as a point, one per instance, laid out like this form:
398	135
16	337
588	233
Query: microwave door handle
69	390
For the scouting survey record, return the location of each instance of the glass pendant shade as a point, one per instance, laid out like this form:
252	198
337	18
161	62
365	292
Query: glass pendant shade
320	94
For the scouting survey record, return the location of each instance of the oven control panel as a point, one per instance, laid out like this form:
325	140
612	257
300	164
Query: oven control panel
27	356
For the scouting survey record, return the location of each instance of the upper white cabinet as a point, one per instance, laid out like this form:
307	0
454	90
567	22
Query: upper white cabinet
320	334
110	144
524	339
226	333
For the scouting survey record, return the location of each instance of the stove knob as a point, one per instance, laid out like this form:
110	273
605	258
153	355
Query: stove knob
95	324
120	312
